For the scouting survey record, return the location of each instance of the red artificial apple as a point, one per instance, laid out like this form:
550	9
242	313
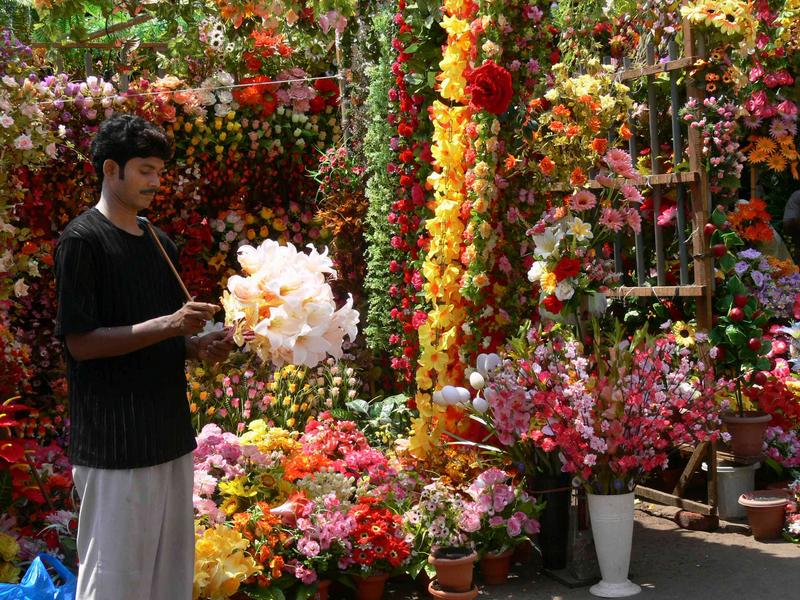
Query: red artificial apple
740	300
719	250
759	378
709	229
736	314
754	344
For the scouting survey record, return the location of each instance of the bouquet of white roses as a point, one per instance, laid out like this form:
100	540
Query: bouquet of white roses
285	300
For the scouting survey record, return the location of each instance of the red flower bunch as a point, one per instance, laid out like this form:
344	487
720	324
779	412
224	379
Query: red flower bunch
775	398
378	539
327	95
490	87
259	94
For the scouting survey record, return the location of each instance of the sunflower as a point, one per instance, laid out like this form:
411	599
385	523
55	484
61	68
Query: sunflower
684	333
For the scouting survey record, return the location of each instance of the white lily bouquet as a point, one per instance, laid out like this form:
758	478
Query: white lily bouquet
285	300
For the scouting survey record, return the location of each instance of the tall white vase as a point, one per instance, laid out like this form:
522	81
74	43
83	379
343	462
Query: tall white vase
612	528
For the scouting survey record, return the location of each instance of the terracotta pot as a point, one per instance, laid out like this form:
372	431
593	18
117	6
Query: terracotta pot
495	567
370	587
453	572
322	589
766	512
437	592
747	432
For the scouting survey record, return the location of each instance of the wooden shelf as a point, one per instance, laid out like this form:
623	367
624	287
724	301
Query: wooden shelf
673	500
664	67
660	291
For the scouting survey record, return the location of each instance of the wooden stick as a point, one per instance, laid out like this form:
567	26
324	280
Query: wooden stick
169	261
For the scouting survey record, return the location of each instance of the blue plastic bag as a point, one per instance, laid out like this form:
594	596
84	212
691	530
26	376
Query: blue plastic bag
38	585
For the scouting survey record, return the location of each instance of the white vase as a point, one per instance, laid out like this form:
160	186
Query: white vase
612	528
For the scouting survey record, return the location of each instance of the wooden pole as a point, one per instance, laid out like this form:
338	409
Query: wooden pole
169	261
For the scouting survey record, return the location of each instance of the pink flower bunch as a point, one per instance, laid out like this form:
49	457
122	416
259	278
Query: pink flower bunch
500	513
321	542
717	122
783	447
620	163
614	414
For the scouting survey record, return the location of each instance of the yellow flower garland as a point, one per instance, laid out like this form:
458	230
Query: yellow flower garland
439	359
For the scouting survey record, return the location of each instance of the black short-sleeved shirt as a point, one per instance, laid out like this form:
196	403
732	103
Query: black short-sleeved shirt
127	411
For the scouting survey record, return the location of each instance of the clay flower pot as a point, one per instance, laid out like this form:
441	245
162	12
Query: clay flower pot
322	589
747	431
496	566
370	587
437	592
454	568
766	512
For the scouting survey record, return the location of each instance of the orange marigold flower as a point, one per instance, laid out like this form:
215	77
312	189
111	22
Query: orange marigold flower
546	165
600	145
625	132
578	177
556	126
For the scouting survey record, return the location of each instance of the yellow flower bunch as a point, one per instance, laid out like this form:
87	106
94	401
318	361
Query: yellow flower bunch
789	26
734	19
221	563
269	439
9	548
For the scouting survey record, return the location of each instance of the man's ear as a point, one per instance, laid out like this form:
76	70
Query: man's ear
111	169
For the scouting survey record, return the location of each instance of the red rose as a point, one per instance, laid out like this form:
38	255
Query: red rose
552	304
490	88
567	267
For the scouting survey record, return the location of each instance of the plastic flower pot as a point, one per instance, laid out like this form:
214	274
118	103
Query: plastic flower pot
612	528
766	512
732	482
454	568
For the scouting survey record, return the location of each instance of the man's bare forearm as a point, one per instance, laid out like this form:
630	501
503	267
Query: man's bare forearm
107	342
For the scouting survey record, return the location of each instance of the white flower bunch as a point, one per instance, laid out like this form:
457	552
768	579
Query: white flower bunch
286	301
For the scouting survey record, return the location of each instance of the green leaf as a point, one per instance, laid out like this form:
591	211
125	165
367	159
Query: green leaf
727	262
411	49
268	593
358	406
763	364
304	592
735	285
735	336
718	217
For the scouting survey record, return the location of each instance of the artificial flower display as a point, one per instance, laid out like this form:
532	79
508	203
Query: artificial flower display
286	301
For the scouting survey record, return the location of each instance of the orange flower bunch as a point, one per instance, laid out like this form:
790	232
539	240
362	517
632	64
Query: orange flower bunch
267	539
300	464
751	221
777	154
570	124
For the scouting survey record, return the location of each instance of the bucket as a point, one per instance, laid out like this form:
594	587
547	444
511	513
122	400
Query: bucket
732	482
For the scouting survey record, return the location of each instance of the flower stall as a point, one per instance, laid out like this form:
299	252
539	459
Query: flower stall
479	258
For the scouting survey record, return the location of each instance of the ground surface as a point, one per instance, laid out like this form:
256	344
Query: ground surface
671	563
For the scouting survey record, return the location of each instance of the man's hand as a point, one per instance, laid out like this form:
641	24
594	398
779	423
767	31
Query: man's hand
215	347
191	318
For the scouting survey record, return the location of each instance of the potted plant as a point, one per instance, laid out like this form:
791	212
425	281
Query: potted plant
440	547
499	516
737	335
379	547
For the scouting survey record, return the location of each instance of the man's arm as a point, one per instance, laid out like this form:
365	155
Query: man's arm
106	342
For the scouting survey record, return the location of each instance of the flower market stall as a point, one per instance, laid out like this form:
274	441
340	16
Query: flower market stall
490	265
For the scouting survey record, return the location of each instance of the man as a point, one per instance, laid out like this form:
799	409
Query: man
791	223
122	316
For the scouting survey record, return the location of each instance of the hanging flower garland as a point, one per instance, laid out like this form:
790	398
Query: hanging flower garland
439	337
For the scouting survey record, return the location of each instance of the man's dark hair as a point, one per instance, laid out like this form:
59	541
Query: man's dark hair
123	137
